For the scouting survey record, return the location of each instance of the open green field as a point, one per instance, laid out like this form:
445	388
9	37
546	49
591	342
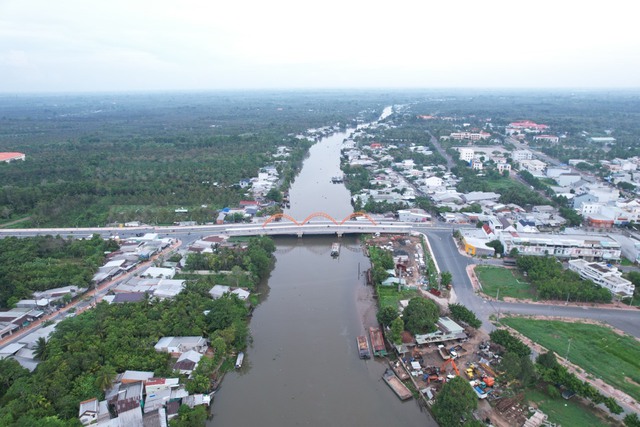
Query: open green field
389	296
509	282
596	349
567	413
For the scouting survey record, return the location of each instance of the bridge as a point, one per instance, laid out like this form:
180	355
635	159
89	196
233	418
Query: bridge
317	223
355	223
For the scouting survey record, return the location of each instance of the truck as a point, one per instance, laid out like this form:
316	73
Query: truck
444	353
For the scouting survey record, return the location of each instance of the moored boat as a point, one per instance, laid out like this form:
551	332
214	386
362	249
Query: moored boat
377	342
335	249
363	347
396	385
239	360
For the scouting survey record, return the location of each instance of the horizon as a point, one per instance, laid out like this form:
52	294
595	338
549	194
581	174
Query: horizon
69	46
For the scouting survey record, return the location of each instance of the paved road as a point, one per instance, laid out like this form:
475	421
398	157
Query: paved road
449	259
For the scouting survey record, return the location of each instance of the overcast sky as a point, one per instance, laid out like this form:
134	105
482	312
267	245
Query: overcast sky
105	45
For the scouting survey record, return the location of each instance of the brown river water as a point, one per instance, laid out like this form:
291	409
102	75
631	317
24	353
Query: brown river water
302	366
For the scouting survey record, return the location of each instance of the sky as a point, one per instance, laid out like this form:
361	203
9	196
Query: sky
141	45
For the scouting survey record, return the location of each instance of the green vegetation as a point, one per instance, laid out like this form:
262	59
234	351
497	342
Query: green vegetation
456	401
461	313
509	342
243	267
596	349
504	282
45	262
563	412
553	282
98	159
85	352
389	296
420	315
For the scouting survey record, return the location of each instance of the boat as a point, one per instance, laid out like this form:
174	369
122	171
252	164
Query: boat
239	360
363	347
399	370
335	249
377	342
396	385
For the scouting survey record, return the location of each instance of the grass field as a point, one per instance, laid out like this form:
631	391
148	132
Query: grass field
389	295
567	413
596	349
509	281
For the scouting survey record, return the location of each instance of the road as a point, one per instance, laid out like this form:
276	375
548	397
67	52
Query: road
450	259
445	252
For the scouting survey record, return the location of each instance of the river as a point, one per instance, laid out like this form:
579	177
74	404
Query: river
302	366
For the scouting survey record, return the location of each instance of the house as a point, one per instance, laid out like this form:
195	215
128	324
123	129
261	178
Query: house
11	157
179	345
413	215
159	272
242	294
187	362
447	330
88	411
218	291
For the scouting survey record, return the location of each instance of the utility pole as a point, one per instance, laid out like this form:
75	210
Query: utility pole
568	348
498	302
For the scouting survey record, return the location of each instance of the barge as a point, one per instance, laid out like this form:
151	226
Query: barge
363	347
396	385
377	342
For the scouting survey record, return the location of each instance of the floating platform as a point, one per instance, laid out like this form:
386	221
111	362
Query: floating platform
396	385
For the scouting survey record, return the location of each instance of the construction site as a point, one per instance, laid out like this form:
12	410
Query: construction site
427	362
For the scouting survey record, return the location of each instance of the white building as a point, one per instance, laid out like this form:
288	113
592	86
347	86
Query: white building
518	155
563	246
603	275
466	154
413	215
534	166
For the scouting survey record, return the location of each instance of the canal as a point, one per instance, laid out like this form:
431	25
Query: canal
302	366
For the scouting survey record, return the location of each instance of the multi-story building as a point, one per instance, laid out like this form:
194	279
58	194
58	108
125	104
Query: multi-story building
604	275
466	154
473	136
563	246
550	138
518	155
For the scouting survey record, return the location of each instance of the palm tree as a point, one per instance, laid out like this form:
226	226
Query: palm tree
40	351
105	377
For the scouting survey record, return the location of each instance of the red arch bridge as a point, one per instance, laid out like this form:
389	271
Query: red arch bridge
318	223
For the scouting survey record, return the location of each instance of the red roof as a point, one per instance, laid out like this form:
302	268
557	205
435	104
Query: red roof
248	203
9	156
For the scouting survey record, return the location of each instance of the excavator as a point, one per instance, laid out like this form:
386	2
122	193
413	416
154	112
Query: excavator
453	364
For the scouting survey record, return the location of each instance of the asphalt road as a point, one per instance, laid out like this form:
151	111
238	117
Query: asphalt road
449	259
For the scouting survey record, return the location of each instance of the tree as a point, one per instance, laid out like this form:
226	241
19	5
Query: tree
497	245
421	315
445	279
105	377
547	360
397	326
461	313
455	401
386	315
40	352
632	420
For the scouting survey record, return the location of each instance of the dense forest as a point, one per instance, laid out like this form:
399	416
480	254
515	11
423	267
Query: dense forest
98	159
39	263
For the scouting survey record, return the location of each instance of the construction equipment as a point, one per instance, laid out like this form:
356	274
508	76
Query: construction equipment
453	364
